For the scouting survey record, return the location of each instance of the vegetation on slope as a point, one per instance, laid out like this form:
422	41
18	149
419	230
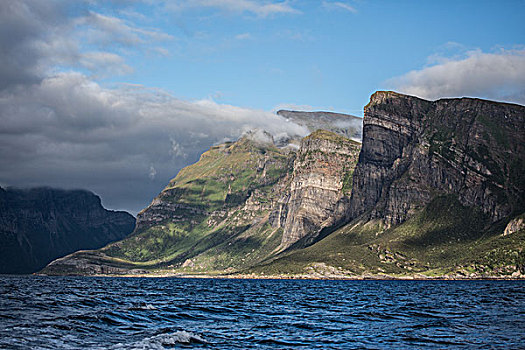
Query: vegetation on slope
445	238
218	217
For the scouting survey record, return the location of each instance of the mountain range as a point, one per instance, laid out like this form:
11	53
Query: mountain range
435	190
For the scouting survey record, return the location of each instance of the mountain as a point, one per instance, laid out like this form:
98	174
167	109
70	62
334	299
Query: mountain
437	189
414	150
41	224
239	205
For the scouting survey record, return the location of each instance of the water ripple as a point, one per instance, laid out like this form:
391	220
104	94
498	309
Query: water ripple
141	313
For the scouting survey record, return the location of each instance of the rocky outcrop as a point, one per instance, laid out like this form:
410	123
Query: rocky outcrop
415	149
515	225
42	224
345	125
320	189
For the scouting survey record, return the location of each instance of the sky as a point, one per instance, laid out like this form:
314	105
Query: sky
117	96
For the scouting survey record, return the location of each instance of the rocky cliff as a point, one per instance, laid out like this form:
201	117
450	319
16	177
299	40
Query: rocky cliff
42	224
438	192
319	193
414	150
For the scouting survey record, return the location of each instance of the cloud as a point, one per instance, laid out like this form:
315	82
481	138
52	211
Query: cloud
499	75
124	143
36	37
243	36
152	172
106	62
29	41
336	5
258	8
61	128
109	30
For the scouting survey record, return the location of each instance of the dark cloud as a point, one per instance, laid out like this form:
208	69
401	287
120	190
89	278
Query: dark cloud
27	29
123	143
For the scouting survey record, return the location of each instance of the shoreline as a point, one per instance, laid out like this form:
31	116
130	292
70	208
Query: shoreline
301	277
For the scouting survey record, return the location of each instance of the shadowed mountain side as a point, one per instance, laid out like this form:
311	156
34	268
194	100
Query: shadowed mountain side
39	225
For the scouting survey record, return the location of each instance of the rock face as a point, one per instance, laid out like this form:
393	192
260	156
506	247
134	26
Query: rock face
341	124
515	225
319	193
415	149
42	224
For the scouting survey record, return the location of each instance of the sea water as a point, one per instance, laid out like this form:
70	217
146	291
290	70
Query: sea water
164	313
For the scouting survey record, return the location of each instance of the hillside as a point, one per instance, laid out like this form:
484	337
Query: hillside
438	190
239	205
41	224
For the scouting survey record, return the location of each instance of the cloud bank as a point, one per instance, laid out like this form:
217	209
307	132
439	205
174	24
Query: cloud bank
61	128
497	76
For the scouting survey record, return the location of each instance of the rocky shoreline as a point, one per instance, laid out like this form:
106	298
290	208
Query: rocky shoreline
363	277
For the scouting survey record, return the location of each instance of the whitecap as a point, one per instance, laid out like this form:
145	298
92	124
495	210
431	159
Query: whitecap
158	342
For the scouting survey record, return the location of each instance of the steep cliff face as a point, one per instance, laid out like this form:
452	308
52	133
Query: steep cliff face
320	189
42	224
414	150
438	191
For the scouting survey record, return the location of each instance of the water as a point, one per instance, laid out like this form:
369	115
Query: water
141	313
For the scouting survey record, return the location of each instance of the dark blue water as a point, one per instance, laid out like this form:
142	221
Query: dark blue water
141	313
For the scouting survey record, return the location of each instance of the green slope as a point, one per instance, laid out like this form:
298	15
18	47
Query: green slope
445	238
220	218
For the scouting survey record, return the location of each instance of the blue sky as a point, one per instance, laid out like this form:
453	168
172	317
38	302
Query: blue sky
117	96
325	54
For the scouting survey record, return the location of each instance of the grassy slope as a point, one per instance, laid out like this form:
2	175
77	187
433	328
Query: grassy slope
443	238
219	183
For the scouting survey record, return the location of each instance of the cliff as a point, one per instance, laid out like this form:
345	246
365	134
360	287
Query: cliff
319	193
438	191
414	150
42	224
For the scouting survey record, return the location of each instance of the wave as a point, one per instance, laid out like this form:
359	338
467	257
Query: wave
162	340
142	307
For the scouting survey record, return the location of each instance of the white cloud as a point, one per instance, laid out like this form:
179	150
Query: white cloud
258	8
105	62
68	131
243	36
336	5
499	76
152	172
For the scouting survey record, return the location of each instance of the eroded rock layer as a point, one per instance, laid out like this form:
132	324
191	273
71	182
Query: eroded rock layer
319	193
415	149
